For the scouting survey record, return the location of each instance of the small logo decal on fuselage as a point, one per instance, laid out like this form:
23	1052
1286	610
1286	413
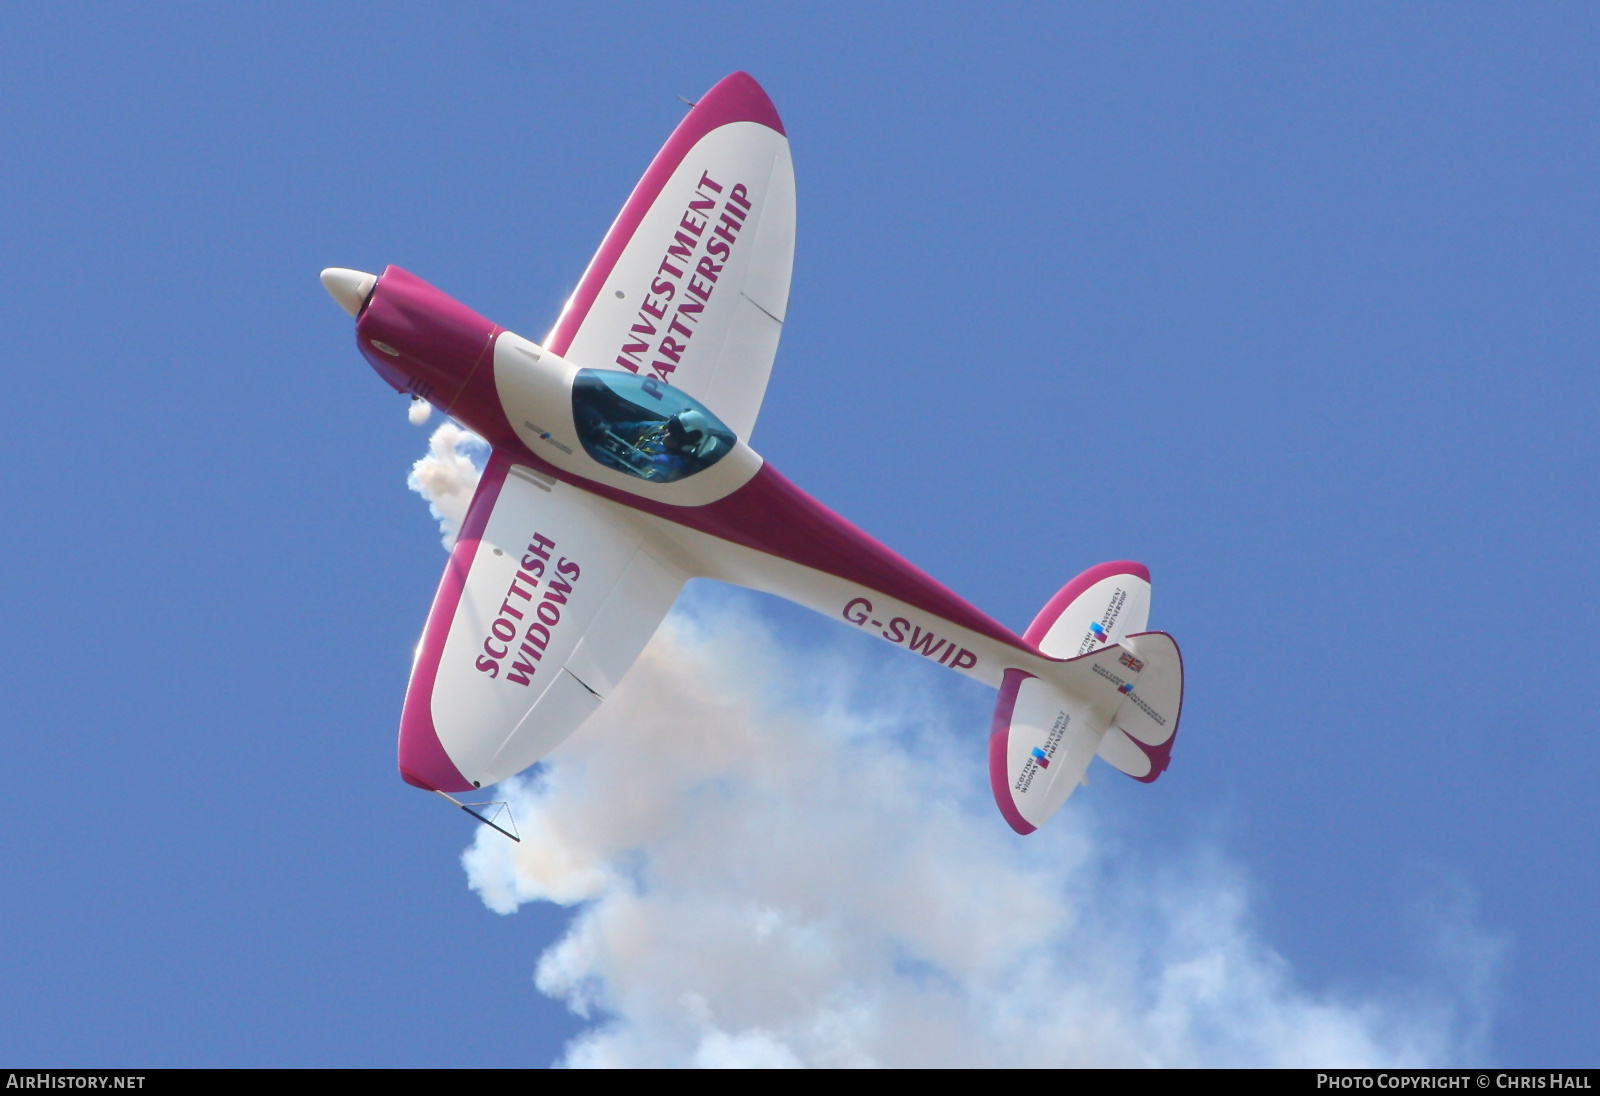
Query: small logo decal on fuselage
544	435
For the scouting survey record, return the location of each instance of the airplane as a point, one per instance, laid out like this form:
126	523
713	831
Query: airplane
619	469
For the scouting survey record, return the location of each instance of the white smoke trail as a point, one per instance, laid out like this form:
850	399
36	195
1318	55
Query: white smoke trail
770	873
447	476
419	412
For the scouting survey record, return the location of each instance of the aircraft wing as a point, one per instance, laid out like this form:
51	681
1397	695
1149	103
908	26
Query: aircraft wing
547	600
691	283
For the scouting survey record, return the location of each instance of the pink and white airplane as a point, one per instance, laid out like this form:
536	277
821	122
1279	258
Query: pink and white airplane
620	470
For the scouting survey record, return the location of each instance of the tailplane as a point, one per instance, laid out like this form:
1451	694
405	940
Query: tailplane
1116	693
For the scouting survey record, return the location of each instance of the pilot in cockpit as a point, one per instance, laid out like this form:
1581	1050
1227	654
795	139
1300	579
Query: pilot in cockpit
689	433
641	427
669	447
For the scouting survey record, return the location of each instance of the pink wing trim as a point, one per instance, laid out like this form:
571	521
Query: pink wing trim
999	740
1069	593
736	98
423	760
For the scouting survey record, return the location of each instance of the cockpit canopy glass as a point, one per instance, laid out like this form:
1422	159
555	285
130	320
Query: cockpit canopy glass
645	428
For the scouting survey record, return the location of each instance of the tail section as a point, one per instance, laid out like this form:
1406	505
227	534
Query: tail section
1139	739
1040	746
1116	693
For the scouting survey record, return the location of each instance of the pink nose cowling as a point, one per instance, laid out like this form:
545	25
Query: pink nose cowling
426	342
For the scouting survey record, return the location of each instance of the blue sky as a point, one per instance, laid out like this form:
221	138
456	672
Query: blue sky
1293	304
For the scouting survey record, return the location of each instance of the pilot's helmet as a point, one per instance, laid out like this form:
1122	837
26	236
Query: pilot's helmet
693	424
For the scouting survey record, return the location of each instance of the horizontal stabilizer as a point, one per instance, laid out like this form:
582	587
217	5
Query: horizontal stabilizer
1040	746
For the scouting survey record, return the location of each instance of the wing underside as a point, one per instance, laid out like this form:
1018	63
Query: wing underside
691	283
548	598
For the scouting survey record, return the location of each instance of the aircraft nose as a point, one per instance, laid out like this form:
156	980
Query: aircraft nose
349	287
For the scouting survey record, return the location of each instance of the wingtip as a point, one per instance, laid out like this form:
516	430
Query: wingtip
739	97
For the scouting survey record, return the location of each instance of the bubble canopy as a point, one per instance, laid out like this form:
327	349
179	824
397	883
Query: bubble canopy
645	428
